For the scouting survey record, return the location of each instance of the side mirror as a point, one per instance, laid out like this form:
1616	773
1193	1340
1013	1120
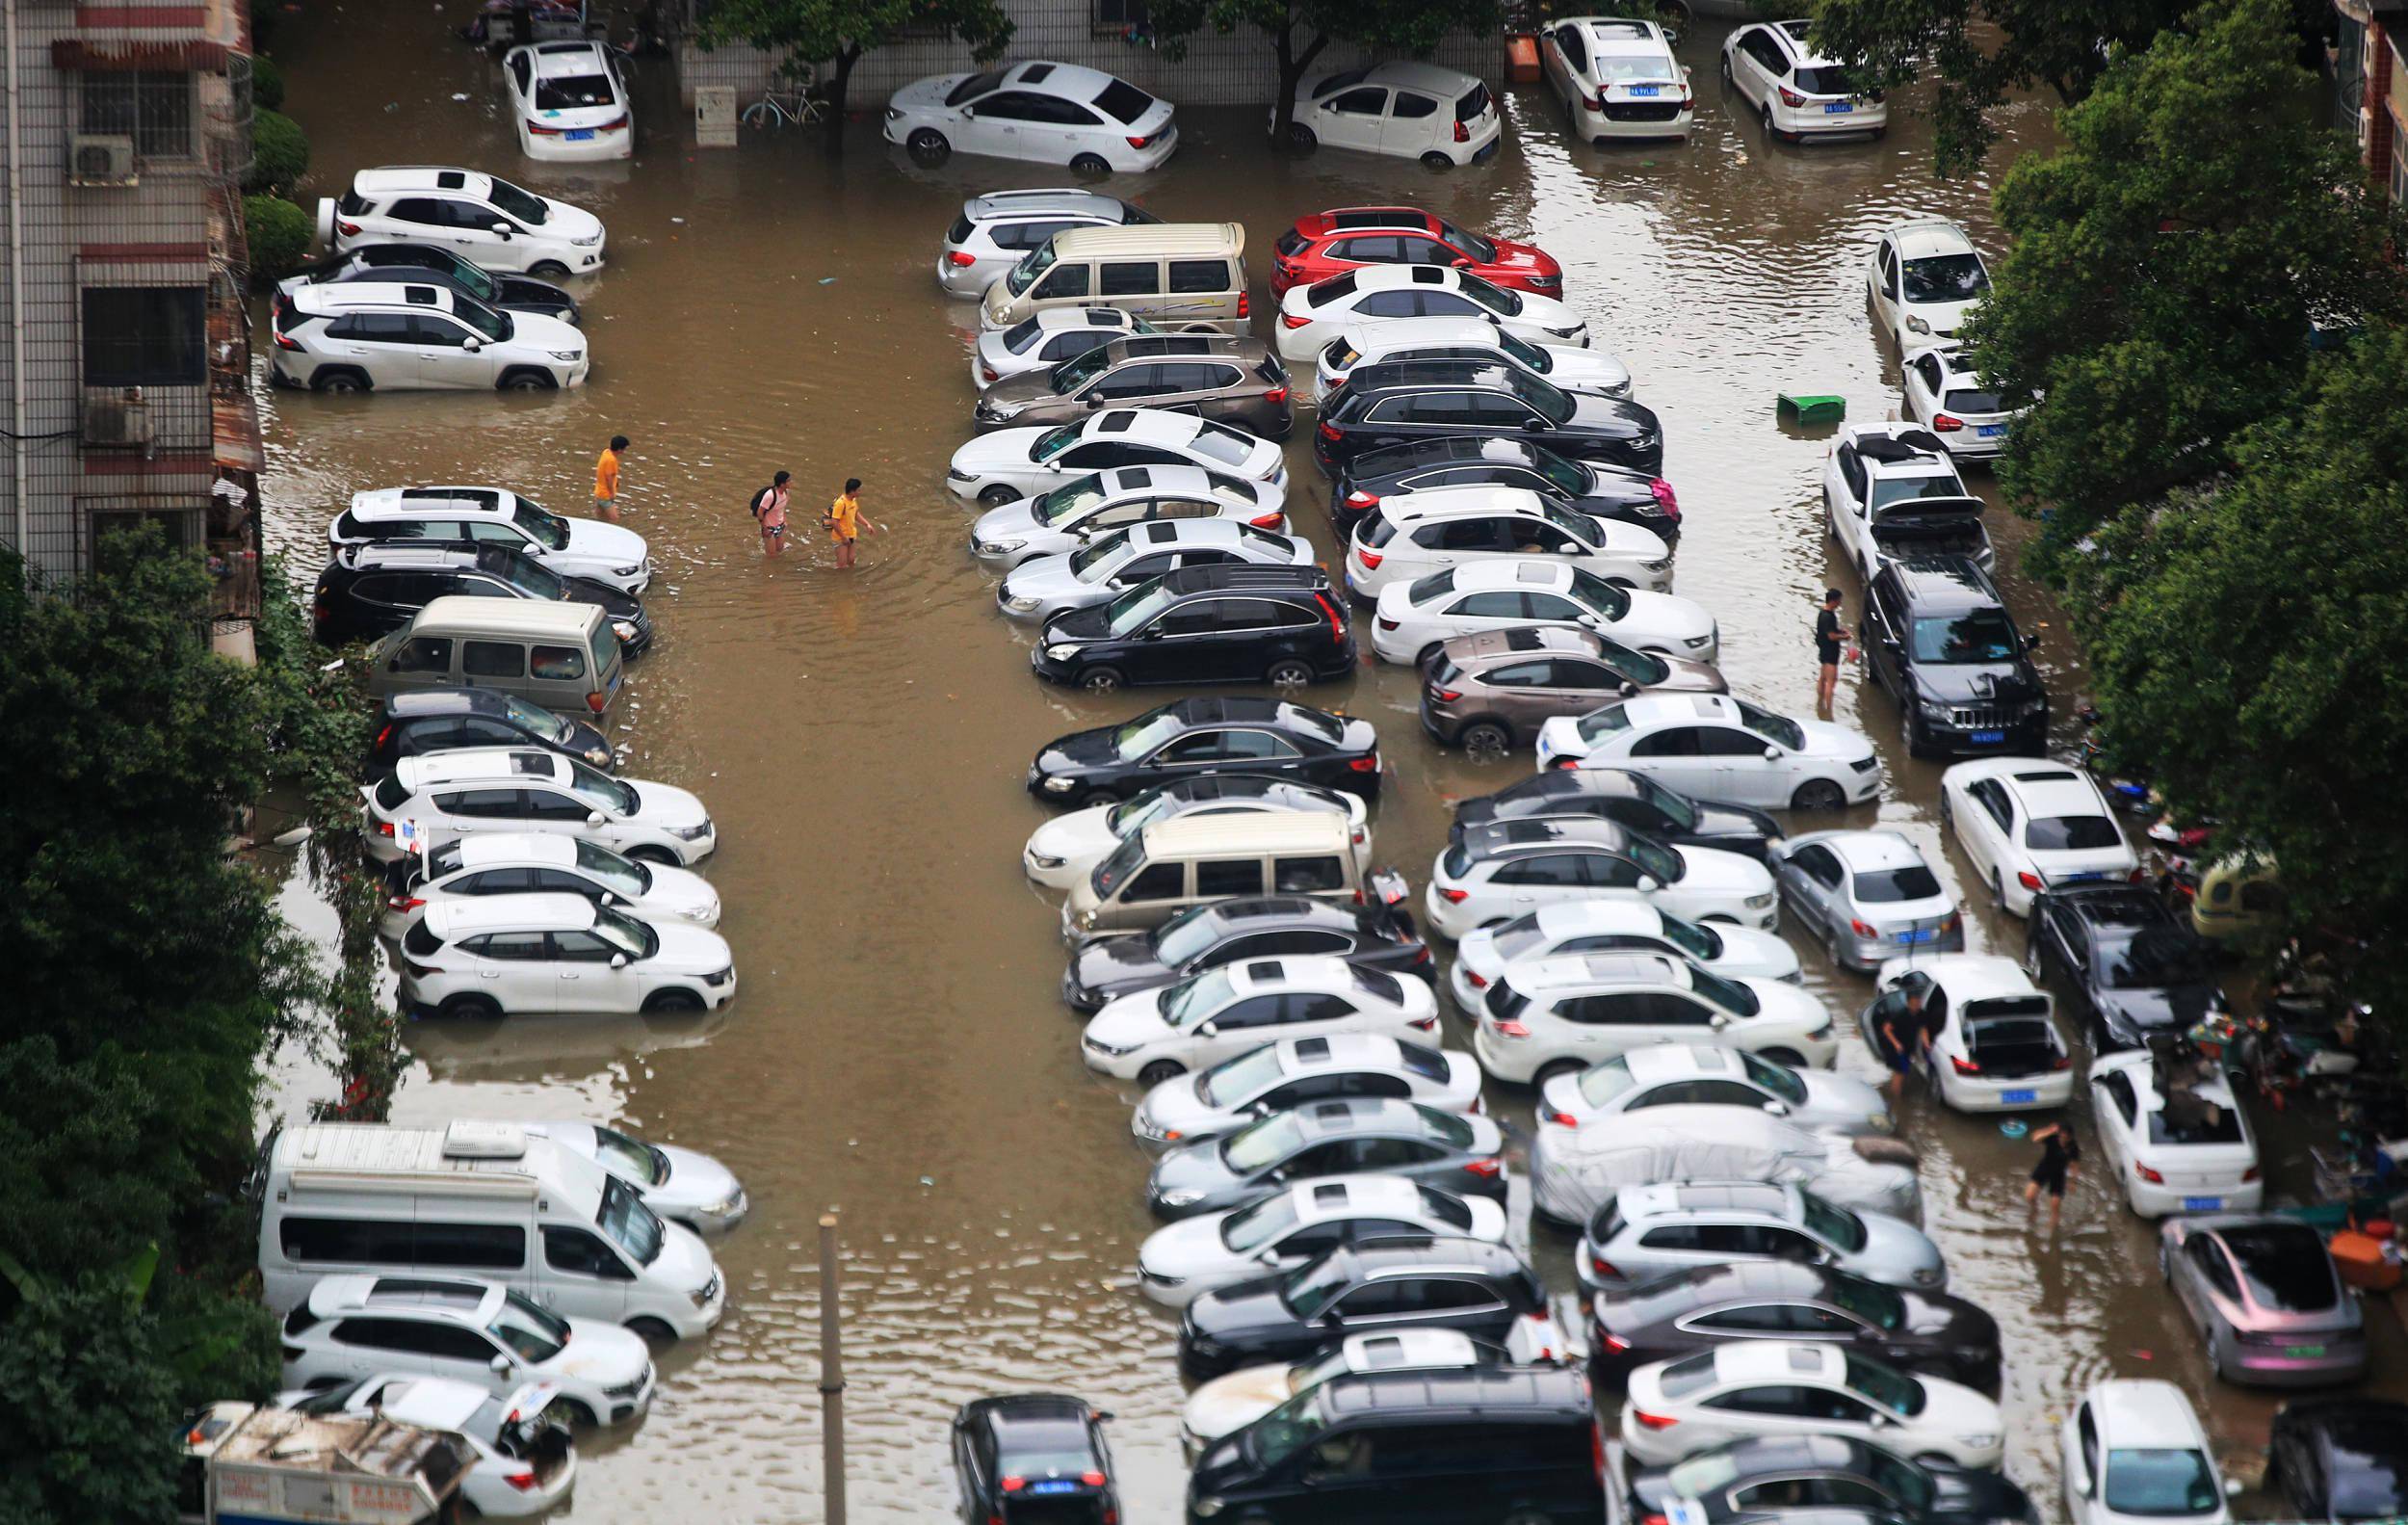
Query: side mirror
1592	621
502	229
608	899
2231	1488
501	1365
2031	643
1772	754
1717	1020
1268	1257
618	961
1629	689
1462	264
1647	884
1882	1421
970	113
1776	1109
1093	399
1209	1030
472	344
593	818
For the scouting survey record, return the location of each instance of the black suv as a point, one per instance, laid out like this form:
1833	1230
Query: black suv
1513	1443
369	590
426	264
1206	936
2139	971
1034	1458
1203	624
1404	402
1447	1283
1936	634
416	721
1592	488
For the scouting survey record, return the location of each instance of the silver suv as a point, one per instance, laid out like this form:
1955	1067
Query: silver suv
994	231
1650	1231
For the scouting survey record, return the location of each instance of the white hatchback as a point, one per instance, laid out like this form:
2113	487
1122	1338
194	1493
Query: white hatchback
1295	1070
1754	1388
569	102
1923	277
530	863
1545	1018
1048	113
1005	464
1152	1035
1081	510
1797	93
2028	825
1714	746
1412	111
2132	1453
2188	1152
1047	339
482	218
1411	620
1612	925
1312	318
1618	78
1411	534
1944	393
1378	340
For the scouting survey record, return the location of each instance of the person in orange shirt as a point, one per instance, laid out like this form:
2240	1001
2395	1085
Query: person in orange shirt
605	479
846	521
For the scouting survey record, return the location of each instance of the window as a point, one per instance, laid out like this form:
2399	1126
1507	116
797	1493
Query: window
1066	281
488	803
1123	13
493	659
1199	275
558	662
1223	880
1159	882
1133	278
1307	876
348	1240
146	336
1361	102
422	655
575	1251
518	947
1410	105
153	106
1546	868
490	1247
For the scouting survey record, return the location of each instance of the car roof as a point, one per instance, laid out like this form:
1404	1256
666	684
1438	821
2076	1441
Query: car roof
565	60
1056	320
1946	582
1520	640
1677	1062
1338	220
485	849
1387	335
1413	75
1514	838
1925	237
1973	976
474	615
1075	81
1044	202
2144	1412
1374	1352
420	502
1344	1116
1793	33
1865	850
1152	241
1276	580
1432	1252
1241	709
413	704
397	177
1153	426
1338	1051
2139	1065
1463	502
1900	449
1156	346
1621	35
1647	710
1711	1197
1247	832
1536	977
1356	1196
470	764
1463	1393
2055	791
1139	481
1778	1360
433	1402
470	914
348	295
424	1295
1287	910
1511	571
1564	917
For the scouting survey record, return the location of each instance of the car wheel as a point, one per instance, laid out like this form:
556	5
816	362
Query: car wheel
1161	1070
652	1330
470	1009
1771	134
1291	674
1423	658
1485	742
1094	164
671	1003
1997	889
1727	80
928	145
1100	680
1561	1066
530	380
339	381
1096	797
1435	160
997	496
1947	814
1831	946
1301	138
1787	1057
1910	730
1817	794
575	1412
654	855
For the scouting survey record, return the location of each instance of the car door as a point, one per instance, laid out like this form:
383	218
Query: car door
1540	879
1182	757
1673	757
1411	126
1177	646
384	343
484	236
1742	772
584	979
1004	123
1494	610
1566	62
1064	129
1885	284
515	969
2116	1110
1810	876
1213	390
1352	118
587	1277
446	357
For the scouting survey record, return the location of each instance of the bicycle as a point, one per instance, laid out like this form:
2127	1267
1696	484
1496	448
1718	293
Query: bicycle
779	109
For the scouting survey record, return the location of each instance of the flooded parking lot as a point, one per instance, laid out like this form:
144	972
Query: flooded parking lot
897	1052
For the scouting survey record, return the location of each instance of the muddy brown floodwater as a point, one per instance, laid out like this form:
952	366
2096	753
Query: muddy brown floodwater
897	1053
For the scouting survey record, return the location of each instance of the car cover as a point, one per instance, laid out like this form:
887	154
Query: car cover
1575	1171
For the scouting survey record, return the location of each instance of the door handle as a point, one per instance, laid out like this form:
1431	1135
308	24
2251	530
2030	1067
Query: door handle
567	975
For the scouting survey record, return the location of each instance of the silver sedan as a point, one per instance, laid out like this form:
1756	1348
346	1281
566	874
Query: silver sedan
1868	895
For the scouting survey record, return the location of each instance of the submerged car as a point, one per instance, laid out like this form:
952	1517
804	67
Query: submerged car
1460	1154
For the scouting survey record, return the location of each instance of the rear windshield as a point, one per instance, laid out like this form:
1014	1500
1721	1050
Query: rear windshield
2202	1122
1291	242
2068	833
570	92
960	232
1826	79
1337	288
391	794
1472	103
1890	885
1020	335
2285	1266
1975	402
1687	1375
1123	102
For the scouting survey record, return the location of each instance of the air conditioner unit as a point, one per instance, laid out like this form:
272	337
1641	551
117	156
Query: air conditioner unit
116	418
100	159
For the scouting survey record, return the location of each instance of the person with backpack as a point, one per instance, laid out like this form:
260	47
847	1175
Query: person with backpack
769	506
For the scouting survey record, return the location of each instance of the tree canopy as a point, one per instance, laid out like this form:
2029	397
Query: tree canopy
1300	30
802	31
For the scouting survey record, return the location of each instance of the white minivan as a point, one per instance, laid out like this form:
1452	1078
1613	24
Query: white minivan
477	1199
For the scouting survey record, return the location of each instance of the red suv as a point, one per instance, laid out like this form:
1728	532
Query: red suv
1327	243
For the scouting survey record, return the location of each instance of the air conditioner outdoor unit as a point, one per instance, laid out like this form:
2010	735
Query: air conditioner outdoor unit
116	418
100	159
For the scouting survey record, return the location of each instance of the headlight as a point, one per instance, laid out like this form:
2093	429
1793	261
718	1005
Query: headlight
1060	652
1057	786
1664	566
1020	602
1917	326
571	356
1110	1050
1148	1128
1821	1030
1699	643
1937	709
701	1294
1000	547
1045	861
1571	332
1183	1197
627	571
727	1204
1927	1276
719	978
1759	901
1084	921
1206	1505
956	474
1621	389
691	833
599	757
586	241
623	630
1978	1442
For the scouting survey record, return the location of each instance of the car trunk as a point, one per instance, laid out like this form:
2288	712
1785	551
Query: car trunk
1906	532
543	1444
2010	1047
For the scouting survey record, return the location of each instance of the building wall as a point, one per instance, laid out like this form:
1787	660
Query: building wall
1233	70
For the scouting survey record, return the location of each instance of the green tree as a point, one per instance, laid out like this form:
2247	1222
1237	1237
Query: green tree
804	32
2170	267
2244	641
1300	30
278	233
92	1408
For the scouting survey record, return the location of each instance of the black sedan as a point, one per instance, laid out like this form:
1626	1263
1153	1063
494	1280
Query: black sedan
2135	969
1378	936
1461	1155
1468	1284
1034	1458
1208	735
1788	1478
428	264
1462	460
1629	799
1695	1310
2341	1458
419	720
368	591
1406	402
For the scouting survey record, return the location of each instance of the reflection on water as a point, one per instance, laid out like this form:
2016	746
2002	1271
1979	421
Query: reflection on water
897	1053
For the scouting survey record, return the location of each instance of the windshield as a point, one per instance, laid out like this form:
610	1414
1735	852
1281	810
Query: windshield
2071	834
1079	370
1772	728
622	876
972	88
1184	937
600	788
1032	264
1069	499
1054	441
1234	1080
1469	242
625	1222
1562	475
484	319
1896	1392
1609	600
1249	1229
1601	1083
1888	887
1122	861
1945	277
1910	1485
636	1159
1286	1430
1978	635
1699	942
1267	1143
1123	102
1221	443
2166	1482
535	720
1602	722
1656	859
1314	1288
469	278
1195	999
1836	1225
536	1335
1137	608
546	529
2151	958
527	207
1528	355
1554	406
1728	994
630	937
1891	490
1495	298
1127	820
524	573
1701	1476
1093	563
1677	808
1781	1081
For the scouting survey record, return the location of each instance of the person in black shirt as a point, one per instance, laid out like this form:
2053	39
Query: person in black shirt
1827	649
2060	1158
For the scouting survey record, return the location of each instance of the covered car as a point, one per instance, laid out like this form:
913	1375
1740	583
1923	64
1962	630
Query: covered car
1576	1171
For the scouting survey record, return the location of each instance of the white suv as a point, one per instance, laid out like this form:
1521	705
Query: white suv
482	218
607	553
535	862
1717	748
1893	490
998	467
1380	340
1943	392
1618	78
360	336
1412	619
1499	870
515	789
1545	1018
469	1331
1799	94
1415	534
2025	824
497	955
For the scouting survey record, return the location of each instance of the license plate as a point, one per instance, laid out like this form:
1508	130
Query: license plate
2303	1350
1836	108
2079	879
1989	431
1054	1487
1646	90
1988	738
1919	934
2019	1095
2202	1204
579	135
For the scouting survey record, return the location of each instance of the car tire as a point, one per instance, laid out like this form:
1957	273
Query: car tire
654	855
1728	82
549	269
1485	742
929	146
1910	733
1772	134
1101	680
1290	673
671	1003
1548	1072
470	1009
1161	1070
1423	658
1831	947
1787	1057
1818	793
575	1412
652	1331
529	378
1301	138
996	497
1998	892
1095	797
1434	160
1091	164
339	379
1947	815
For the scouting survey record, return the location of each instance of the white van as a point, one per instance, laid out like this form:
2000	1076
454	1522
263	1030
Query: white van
1181	277
477	1199
1190	859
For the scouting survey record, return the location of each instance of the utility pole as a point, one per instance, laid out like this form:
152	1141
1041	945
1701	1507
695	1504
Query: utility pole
832	1377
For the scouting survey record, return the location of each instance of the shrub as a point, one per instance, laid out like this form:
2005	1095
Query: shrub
279	237
267	85
280	154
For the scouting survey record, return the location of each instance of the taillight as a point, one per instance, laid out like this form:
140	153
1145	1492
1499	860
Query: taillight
421	970
1453	897
1508	1029
1427	1024
1964	1066
403	902
1791	98
1385	624
384	829
294	1353
1420	956
1093	1480
2249	1174
1266	521
1862	929
2027	879
1329	431
286	341
1662	491
1654	1520
1587	103
1359	499
1946	423
523	1482
1561	1118
1657	1421
1013	1484
963	258
383	737
541	131
1602	1267
1138	143
1243	307
989	372
1278	394
1338	635
1293	320
1613	1342
1446	695
2062	1062
1483	1166
1371	559
596	700
1365	764
2147	1174
1462	133
613	124
1477	982
1566	764
346	229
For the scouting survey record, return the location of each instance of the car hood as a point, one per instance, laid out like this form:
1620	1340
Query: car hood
1733	820
1966	1494
1548	312
685	1261
1078	749
1003	449
1193	1167
601	1353
1665	614
1977	682
1825	739
1944	317
1014	519
681	890
1527	259
1830	1094
1893	1246
1615	417
1956	1408
1962	1325
1587	368
1078	834
543	331
1249	1307
1227	1404
1047	577
1783	1004
1015	392
1710	871
571	222
615	544
689	949
1187	1247
694	1180
926	94
1129	1020
1109	964
664	804
1174	1106
1091	623
616	602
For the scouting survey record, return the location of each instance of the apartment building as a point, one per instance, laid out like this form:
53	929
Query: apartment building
2370	86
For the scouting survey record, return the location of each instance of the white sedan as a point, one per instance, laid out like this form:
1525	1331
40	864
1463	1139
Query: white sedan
569	102
1049	112
1406	110
1998	1048
1794	1387
1411	620
1083	507
1717	748
1603	925
1411	534
1311	317
2134	1454
1065	850
995	468
1034	591
1499	870
1151	1036
1292	1071
1924	277
2026	824
2191	1152
1370	343
1944	395
1687	1074
1180	1263
518	863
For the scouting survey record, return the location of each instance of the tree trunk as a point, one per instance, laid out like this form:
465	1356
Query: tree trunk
837	89
1292	67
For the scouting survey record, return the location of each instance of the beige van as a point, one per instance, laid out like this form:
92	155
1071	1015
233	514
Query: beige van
1188	860
1179	275
561	656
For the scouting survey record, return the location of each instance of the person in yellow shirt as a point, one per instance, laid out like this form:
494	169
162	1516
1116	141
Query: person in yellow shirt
605	479
846	521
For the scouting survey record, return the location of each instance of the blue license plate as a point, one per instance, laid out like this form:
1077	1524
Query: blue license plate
1063	1487
1989	431
1647	90
1836	108
1919	934
2202	1204
579	135
1988	738
2019	1095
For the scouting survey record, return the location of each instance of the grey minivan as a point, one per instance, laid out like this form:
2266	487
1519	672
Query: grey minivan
1235	382
562	656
